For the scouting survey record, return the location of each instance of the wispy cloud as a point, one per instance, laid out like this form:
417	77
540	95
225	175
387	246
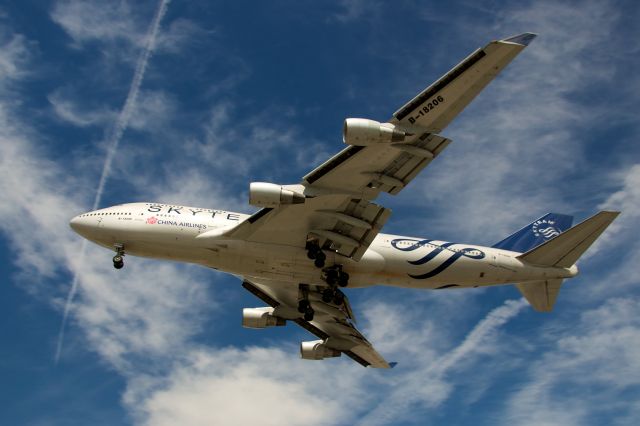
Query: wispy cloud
597	359
519	144
428	385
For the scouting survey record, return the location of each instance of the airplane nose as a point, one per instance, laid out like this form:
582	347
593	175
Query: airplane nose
75	223
80	224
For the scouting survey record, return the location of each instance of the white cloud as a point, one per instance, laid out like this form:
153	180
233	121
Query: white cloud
15	53
592	369
427	384
256	385
86	21
67	110
122	23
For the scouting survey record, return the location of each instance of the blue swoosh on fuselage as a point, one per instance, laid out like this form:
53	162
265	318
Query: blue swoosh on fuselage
437	249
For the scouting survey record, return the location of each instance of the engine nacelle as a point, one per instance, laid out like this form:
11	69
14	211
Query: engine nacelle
317	350
363	132
263	194
261	318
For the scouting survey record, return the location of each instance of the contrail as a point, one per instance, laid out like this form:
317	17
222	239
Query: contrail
115	135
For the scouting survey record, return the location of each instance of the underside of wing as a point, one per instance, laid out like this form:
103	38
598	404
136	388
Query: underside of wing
333	205
435	107
333	323
338	223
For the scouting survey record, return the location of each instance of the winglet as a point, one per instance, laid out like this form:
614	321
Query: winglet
523	39
392	364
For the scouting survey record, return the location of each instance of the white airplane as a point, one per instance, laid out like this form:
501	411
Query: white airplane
312	238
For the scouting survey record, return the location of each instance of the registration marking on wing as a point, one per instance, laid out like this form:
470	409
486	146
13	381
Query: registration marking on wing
430	106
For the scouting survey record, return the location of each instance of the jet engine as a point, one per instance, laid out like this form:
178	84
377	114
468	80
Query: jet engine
317	350
263	194
363	132
260	318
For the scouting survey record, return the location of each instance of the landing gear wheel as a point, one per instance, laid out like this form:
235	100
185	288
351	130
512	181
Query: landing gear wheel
338	298
320	259
313	250
304	306
308	314
328	295
332	277
118	261
343	279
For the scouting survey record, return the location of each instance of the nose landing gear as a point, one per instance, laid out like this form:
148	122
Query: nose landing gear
118	259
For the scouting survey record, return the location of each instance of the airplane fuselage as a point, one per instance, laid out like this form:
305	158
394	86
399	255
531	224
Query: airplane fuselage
172	232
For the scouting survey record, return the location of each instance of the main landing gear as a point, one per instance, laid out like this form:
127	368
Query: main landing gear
315	253
333	295
118	259
304	306
334	276
328	295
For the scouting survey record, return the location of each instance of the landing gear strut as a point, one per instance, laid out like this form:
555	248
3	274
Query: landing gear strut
315	253
118	259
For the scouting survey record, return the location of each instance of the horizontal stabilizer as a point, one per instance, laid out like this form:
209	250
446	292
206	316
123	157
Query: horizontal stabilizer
541	295
565	249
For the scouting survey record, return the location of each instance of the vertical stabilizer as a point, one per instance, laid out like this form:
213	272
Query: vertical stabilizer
537	232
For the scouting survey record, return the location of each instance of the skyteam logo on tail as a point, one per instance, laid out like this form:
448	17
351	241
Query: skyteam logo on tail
545	228
405	244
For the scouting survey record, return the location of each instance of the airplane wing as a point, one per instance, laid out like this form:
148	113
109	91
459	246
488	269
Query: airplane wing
331	323
338	209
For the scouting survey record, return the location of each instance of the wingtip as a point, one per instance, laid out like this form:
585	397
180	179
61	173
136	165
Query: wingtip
392	364
524	39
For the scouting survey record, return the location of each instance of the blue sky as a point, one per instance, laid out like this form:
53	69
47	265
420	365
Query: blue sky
191	101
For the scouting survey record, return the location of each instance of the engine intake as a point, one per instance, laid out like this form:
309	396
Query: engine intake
317	350
263	194
260	318
363	132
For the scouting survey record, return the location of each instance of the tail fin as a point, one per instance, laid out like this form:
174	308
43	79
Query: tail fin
563	251
548	226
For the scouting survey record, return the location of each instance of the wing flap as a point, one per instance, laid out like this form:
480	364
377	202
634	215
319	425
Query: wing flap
367	171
